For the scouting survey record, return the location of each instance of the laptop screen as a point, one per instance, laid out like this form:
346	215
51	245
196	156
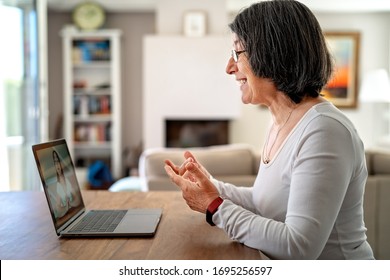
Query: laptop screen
59	180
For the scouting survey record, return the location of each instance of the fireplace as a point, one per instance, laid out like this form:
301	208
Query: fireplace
196	133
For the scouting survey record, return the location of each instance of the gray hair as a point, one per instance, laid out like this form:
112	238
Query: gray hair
284	42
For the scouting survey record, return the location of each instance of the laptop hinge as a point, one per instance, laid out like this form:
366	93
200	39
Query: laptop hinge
71	220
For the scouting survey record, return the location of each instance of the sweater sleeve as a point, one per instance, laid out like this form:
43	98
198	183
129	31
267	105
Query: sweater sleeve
321	171
238	195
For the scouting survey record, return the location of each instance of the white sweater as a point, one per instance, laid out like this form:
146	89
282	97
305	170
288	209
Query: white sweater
307	203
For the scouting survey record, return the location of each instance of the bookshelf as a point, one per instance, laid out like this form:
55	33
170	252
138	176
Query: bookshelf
92	97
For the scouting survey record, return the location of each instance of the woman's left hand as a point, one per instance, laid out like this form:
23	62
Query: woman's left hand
198	191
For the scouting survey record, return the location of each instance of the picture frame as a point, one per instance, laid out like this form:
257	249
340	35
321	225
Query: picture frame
194	23
342	89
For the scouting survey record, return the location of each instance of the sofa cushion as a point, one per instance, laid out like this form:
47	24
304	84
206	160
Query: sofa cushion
234	159
382	215
368	156
370	211
380	163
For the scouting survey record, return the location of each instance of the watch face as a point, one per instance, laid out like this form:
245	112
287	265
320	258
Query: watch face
88	16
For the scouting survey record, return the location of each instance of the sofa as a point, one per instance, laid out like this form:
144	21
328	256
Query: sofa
238	164
235	163
377	202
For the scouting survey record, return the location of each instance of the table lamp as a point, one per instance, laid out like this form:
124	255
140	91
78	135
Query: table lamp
375	88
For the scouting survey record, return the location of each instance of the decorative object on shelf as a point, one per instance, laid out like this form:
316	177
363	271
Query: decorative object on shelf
194	24
89	15
342	88
91	50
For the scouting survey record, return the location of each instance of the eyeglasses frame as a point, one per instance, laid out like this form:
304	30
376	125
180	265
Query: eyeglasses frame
236	54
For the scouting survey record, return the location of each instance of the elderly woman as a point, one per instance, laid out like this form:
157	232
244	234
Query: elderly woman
307	200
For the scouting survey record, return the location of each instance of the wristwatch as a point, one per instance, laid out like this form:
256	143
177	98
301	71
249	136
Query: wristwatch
213	207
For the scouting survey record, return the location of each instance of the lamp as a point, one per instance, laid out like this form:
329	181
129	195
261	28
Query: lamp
375	88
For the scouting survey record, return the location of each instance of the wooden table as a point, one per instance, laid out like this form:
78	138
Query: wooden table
27	232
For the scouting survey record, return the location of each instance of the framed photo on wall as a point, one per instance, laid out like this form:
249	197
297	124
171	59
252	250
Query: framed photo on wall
342	89
194	23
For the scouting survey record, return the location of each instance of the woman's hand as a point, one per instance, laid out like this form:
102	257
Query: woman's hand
181	170
197	189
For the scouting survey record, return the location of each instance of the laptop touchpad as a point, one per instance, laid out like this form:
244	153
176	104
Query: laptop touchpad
140	221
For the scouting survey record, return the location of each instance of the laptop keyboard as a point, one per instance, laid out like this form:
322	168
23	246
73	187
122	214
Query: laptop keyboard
100	221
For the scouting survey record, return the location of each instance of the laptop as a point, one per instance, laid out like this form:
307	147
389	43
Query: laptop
69	214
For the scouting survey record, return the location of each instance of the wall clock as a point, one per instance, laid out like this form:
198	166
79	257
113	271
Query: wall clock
89	15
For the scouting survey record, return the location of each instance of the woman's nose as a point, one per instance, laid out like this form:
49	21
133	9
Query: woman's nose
231	66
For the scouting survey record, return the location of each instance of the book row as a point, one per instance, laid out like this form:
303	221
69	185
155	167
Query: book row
93	133
90	50
90	105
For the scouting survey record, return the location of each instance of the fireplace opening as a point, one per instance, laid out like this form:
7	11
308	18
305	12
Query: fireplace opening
196	133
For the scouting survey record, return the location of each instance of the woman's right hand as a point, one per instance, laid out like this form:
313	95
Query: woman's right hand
197	190
181	170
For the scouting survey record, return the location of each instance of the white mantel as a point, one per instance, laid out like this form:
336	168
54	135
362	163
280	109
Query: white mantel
185	78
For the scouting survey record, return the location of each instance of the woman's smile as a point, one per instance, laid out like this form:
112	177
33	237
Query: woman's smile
241	82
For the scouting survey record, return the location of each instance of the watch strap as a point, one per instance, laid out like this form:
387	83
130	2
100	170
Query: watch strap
212	208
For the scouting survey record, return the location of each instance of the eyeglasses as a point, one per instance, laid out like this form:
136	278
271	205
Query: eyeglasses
235	54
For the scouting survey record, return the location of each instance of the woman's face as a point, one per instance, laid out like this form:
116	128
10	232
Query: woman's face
57	163
254	90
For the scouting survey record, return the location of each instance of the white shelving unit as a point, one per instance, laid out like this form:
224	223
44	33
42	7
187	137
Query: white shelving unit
92	97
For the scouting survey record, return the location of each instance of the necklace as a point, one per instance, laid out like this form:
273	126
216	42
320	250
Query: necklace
265	154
